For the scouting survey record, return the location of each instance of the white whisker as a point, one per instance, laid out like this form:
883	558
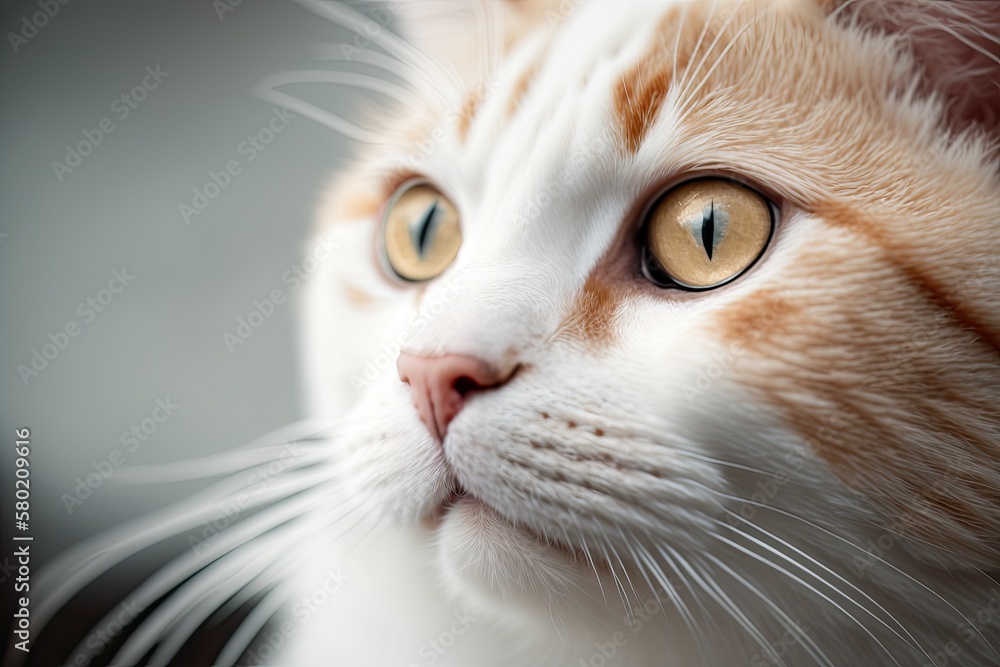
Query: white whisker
826	531
708	585
95	556
808	643
826	569
267	90
690	94
346	17
403	71
682	608
812	589
266	609
690	75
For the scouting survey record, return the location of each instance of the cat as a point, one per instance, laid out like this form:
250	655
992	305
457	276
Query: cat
655	334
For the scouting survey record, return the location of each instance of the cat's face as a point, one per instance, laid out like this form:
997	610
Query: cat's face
839	377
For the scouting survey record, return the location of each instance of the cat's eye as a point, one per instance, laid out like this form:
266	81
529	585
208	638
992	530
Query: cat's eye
420	232
705	233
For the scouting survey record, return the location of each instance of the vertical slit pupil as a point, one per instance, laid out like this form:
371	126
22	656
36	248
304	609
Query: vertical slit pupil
423	229
708	229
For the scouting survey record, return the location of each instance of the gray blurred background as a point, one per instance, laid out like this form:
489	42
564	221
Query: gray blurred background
161	337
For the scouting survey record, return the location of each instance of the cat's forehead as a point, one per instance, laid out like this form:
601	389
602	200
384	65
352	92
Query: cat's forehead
593	115
630	95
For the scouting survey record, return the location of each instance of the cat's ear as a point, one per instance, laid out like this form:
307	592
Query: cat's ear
955	43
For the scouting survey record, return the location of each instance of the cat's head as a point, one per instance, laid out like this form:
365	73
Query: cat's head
635	289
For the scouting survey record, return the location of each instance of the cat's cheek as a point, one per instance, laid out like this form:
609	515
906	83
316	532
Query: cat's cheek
350	318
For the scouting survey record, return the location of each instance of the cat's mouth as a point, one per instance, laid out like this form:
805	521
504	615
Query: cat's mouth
460	496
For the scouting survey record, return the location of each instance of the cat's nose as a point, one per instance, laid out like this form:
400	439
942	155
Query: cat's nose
439	385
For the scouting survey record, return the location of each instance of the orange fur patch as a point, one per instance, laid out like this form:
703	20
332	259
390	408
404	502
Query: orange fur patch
360	205
906	262
593	316
761	314
898	397
888	367
639	96
354	197
520	88
357	296
466	113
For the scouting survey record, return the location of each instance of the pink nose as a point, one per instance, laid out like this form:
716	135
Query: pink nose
439	385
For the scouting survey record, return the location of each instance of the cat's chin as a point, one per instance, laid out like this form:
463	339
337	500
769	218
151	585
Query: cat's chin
490	564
